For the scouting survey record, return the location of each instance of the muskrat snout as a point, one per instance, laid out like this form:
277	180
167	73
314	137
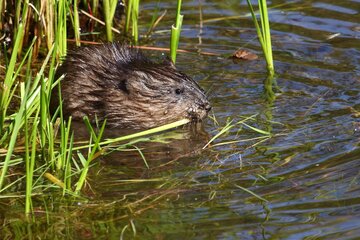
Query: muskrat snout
207	107
200	111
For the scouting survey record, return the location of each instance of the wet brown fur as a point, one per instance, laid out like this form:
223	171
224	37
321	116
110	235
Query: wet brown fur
120	84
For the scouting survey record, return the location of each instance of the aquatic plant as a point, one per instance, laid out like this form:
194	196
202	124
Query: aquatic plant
30	136
109	7
132	15
175	32
263	32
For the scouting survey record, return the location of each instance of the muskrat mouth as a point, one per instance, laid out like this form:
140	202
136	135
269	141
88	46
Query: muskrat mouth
198	114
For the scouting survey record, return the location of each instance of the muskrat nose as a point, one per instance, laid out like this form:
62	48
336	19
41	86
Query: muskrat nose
207	107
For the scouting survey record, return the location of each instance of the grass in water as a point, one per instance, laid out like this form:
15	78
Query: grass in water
263	32
30	136
109	7
175	33
132	15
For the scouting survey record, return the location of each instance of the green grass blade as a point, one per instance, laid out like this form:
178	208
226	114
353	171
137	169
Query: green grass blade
8	82
17	126
263	32
175	32
250	192
76	23
85	170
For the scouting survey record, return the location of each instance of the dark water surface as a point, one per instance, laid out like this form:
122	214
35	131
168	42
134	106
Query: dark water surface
307	174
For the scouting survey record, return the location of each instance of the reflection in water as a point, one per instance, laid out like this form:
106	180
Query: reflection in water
156	149
269	95
162	148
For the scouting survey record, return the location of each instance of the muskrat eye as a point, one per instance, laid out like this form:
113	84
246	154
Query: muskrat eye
179	91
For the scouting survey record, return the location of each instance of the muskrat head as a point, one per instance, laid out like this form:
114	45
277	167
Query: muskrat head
121	85
160	94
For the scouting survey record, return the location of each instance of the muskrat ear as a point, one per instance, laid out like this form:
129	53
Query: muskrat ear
168	62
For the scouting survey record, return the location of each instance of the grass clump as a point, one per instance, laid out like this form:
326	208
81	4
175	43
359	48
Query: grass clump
132	15
38	151
109	7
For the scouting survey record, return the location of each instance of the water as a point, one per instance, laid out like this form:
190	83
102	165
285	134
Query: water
308	173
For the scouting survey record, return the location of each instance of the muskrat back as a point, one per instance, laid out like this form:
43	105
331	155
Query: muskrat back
120	84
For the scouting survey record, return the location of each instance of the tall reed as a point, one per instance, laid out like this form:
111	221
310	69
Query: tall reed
132	15
8	83
175	32
263	32
61	29
109	7
76	23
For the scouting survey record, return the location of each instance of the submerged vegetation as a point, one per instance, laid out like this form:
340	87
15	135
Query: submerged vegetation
37	148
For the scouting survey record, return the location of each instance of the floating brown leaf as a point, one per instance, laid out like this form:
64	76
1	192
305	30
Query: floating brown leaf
244	55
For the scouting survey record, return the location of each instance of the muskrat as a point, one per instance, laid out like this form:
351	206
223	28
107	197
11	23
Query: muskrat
120	84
